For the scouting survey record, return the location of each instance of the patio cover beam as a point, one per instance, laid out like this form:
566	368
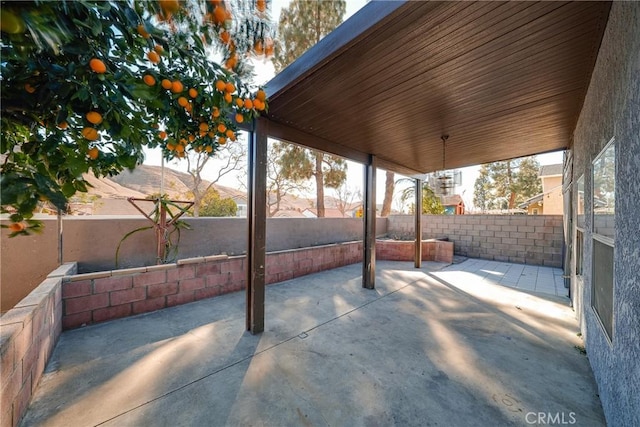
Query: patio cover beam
418	228
369	217
257	220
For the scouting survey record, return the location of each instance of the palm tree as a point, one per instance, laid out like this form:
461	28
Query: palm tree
430	202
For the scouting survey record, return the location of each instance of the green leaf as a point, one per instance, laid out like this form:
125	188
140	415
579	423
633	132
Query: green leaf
96	28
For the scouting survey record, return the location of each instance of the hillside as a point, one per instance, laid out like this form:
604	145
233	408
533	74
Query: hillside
109	193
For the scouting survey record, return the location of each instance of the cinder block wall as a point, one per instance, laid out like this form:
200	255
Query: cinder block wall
28	334
525	239
92	241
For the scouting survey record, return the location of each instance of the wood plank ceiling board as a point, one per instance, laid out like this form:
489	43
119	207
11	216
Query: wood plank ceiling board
501	79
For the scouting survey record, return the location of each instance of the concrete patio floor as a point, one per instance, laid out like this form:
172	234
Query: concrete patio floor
424	348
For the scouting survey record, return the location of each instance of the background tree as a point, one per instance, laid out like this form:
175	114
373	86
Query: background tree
509	182
87	84
431	203
345	198
279	184
481	189
230	157
298	164
303	24
212	204
389	186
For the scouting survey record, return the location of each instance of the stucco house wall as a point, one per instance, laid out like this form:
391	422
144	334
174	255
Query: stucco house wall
612	110
552	199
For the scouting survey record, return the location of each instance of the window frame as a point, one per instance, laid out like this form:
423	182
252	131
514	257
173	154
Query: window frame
606	240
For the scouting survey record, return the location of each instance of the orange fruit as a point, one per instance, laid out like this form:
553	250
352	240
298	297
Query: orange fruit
94	117
162	134
258	105
158	48
228	97
16	227
220	85
219	14
166	83
229	132
222	140
233	137
180	148
11	23
208	149
149	80
231	63
268	46
204	127
29	88
93	153
193	93
169	6
183	102
97	66
192	138
63	125
90	133
239	102
143	31
239	118
261	95
153	56
222	128
211	134
225	37
257	47
248	104
216	113
177	87
261	5
229	87
171	146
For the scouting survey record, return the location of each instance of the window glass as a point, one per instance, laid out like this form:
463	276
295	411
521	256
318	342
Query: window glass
604	198
580	202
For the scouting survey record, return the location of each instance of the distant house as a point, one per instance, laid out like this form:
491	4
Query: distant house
453	204
550	201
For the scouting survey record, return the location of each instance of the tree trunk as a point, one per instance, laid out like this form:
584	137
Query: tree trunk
512	194
389	186
319	185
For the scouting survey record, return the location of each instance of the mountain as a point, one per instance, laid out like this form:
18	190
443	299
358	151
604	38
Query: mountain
107	195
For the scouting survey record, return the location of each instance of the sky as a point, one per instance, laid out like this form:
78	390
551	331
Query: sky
265	71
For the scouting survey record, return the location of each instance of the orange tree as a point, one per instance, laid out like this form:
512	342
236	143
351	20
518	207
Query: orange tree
87	84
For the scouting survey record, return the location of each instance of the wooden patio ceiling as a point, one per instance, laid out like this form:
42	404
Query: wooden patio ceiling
501	79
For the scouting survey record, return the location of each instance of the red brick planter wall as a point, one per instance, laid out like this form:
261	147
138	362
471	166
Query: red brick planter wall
398	250
97	297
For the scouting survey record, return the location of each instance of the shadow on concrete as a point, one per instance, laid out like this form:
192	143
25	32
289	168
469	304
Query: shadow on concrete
417	350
